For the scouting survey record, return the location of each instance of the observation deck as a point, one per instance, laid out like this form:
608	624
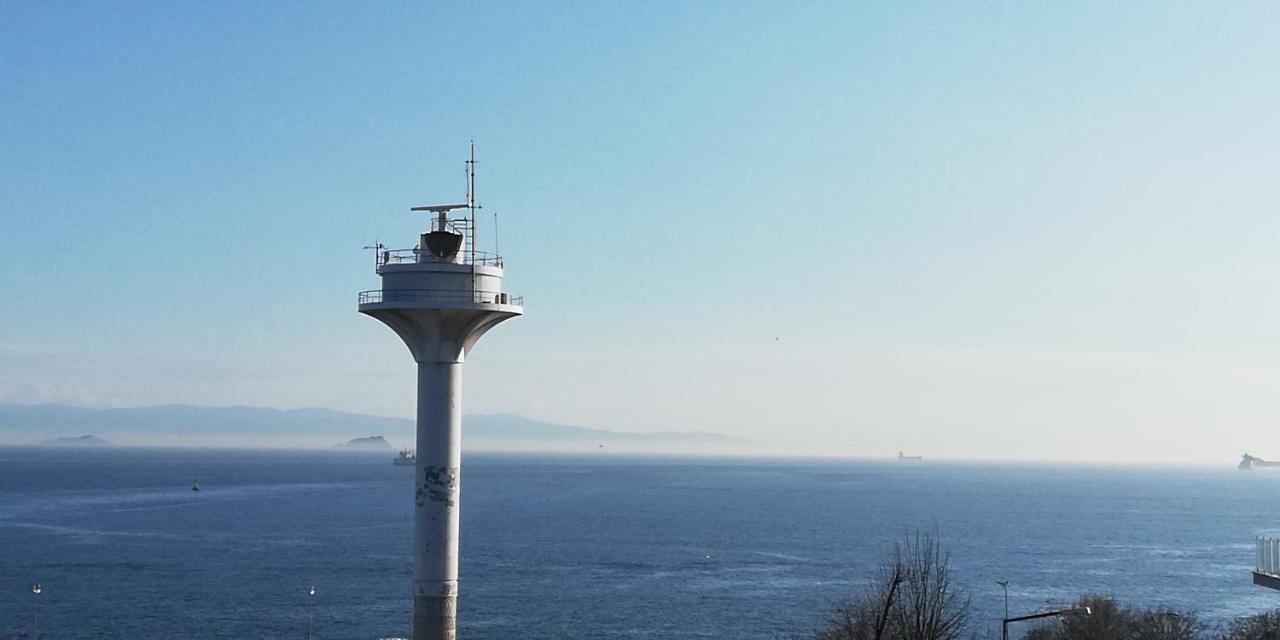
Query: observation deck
1266	572
379	296
419	279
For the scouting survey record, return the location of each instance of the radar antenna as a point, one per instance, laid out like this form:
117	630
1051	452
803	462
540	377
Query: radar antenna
442	213
464	227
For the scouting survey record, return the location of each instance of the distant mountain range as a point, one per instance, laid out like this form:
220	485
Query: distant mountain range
506	426
179	425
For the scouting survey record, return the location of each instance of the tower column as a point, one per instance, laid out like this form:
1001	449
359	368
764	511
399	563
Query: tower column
440	297
437	490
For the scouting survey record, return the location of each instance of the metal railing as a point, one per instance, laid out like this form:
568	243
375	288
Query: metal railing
1269	556
1268	561
416	255
377	296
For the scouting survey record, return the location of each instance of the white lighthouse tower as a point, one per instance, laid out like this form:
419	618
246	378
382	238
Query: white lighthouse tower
439	297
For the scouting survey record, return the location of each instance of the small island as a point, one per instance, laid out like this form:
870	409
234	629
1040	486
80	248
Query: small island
75	441
371	443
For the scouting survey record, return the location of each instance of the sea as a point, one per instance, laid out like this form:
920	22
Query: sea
596	546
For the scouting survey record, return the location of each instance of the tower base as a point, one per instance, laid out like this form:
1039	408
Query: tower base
435	617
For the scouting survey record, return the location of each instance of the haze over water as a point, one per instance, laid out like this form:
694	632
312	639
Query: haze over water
594	546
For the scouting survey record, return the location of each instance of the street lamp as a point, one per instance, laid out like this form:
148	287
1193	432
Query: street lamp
1005	584
36	590
1078	611
311	600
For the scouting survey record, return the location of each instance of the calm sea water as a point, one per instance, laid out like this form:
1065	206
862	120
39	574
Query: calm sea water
594	547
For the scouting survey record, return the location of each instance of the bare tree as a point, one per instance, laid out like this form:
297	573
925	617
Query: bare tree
1262	626
1112	621
866	616
1108	621
1166	624
931	606
914	597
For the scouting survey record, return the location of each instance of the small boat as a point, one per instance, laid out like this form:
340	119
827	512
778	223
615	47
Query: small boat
407	458
902	456
195	484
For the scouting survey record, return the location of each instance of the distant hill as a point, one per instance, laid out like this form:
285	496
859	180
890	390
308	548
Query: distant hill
75	441
187	425
506	426
188	419
371	443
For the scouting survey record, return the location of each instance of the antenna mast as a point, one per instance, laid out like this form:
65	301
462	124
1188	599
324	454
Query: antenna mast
471	199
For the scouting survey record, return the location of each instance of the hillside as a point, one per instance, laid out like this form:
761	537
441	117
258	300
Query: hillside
187	425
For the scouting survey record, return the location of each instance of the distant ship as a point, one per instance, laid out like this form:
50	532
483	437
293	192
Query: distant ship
902	456
407	458
195	484
1249	462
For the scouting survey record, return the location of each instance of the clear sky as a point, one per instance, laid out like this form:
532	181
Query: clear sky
1010	230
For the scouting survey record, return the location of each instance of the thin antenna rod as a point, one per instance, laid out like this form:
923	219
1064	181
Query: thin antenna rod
377	253
471	200
496	253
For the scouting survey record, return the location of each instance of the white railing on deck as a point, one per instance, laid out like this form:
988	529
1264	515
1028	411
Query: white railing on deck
429	295
416	255
1268	561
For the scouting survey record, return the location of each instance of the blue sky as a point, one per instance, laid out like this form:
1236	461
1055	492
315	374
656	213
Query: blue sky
1007	230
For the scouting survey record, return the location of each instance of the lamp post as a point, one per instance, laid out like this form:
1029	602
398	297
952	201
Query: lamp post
1005	584
1078	611
36	590
311	600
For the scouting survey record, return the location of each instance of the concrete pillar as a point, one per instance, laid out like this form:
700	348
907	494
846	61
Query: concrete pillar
437	491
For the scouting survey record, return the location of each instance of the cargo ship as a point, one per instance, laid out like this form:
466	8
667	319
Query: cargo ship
407	458
1250	462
